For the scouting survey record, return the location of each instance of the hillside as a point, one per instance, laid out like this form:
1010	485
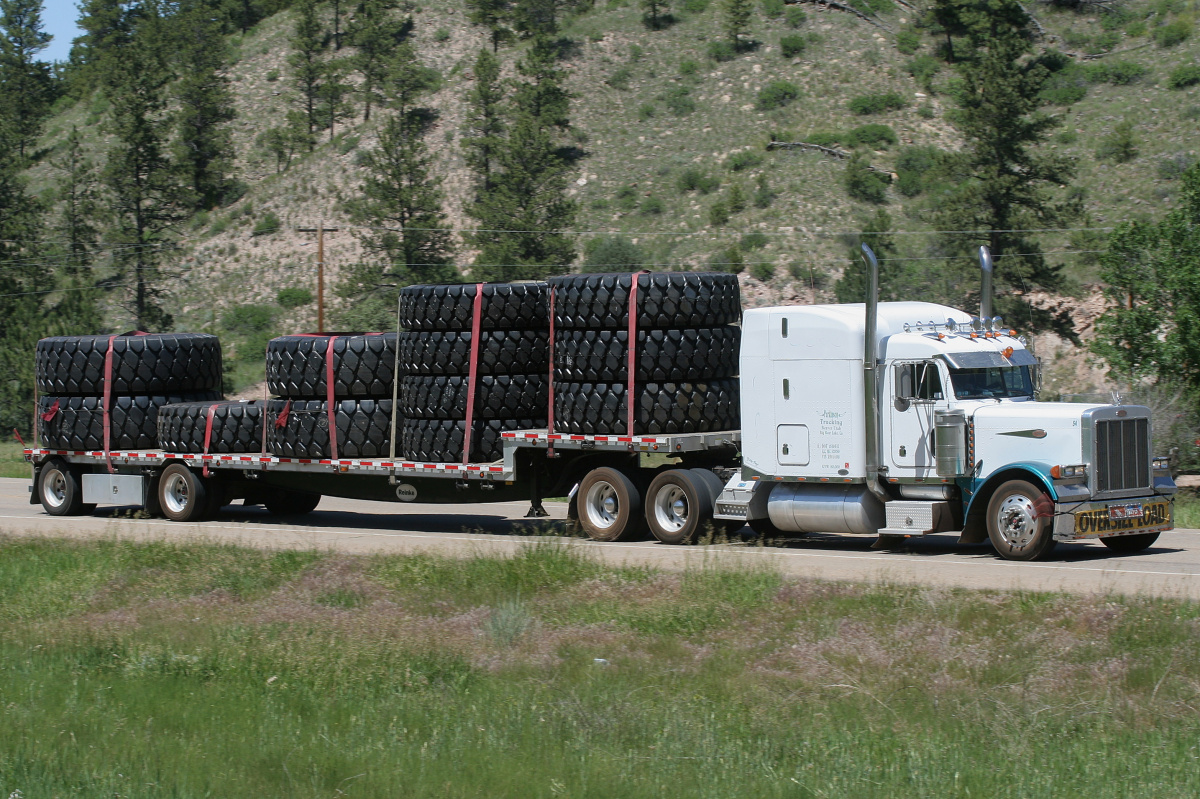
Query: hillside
650	105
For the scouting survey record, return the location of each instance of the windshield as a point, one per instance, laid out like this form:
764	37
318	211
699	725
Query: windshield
992	383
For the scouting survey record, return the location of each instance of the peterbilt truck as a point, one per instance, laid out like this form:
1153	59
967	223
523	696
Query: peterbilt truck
908	418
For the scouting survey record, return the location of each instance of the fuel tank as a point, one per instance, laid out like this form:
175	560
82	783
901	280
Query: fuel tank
825	508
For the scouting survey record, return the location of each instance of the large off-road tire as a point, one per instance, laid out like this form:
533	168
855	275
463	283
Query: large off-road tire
660	409
78	422
497	397
610	506
156	363
441	440
678	506
501	352
183	494
664	299
1017	522
60	489
679	354
362	366
1128	544
511	306
364	428
236	427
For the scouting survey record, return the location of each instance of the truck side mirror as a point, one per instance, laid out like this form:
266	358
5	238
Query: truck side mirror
905	385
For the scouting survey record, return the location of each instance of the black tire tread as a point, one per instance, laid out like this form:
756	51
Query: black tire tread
665	299
363	366
156	363
236	427
500	352
364	428
661	409
497	396
78	424
662	355
441	440
451	306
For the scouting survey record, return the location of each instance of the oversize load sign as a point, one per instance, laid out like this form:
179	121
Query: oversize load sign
1097	522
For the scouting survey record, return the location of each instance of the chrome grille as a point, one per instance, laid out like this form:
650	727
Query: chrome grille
1122	461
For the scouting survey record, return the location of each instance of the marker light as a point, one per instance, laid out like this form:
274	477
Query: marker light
997	323
976	323
1008	352
951	326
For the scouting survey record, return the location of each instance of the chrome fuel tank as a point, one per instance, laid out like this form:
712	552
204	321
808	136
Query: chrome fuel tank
824	508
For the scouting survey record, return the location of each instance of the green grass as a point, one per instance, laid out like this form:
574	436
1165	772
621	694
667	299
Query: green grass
1187	509
147	670
12	462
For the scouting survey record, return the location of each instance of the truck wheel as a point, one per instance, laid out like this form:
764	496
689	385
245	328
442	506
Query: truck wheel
678	506
610	506
182	494
291	503
1016	527
1128	544
61	490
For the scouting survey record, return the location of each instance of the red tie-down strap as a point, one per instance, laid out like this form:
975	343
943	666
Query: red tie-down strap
631	364
329	392
49	414
473	368
208	434
17	436
550	394
281	419
107	405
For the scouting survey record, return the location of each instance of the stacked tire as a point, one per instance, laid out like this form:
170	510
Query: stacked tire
225	427
686	357
513	364
298	418
147	373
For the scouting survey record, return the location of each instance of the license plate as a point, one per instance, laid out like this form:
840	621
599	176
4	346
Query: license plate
1125	512
1129	517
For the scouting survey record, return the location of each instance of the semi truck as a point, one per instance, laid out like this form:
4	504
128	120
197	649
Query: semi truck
890	419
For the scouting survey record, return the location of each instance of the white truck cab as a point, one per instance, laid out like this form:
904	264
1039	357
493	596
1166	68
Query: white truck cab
941	432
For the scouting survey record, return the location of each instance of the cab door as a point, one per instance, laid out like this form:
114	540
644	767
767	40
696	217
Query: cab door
917	389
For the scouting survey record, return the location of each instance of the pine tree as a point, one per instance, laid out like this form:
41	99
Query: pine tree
656	13
524	211
147	198
77	196
737	22
485	119
375	34
495	15
1002	187
204	145
26	87
332	106
308	70
402	206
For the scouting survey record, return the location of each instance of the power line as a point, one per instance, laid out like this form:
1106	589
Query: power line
777	231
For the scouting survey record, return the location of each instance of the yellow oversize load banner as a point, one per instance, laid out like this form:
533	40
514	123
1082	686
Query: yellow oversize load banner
1124	517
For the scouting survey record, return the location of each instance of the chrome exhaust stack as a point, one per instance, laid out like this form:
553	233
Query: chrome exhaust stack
985	290
871	375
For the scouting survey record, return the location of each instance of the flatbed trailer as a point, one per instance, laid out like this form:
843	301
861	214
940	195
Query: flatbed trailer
613	471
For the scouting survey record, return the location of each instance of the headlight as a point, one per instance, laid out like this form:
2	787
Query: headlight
1162	464
1076	472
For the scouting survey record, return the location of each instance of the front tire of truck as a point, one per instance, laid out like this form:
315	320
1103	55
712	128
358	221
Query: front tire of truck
1018	524
182	494
61	491
1128	544
610	505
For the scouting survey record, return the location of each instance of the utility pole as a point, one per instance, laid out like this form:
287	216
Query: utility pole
320	231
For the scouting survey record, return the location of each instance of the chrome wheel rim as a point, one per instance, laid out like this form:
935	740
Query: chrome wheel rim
671	510
602	505
175	493
1016	520
54	488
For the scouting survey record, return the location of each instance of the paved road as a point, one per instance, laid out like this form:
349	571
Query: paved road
1170	568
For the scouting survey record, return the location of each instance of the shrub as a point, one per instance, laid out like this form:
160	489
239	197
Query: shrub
795	17
293	297
695	6
272	75
721	51
1135	29
736	200
864	184
763	270
773	9
730	260
679	101
763	196
792	45
777	94
1173	33
1173	166
688	68
743	160
219	225
877	103
652	206
1118	73
718	214
441	35
694	179
267	225
873	135
627	198
925	111
824	139
754	241
646	112
908	41
1107	41
911	165
609	253
1067	136
1120	145
1182	77
247	319
348	143
924	68
620	78
1066	86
